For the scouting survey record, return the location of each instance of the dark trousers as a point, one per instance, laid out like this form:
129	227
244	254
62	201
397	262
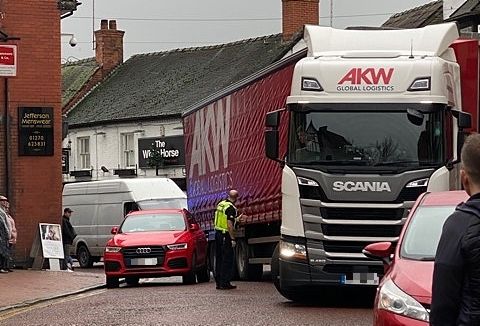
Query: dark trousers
224	258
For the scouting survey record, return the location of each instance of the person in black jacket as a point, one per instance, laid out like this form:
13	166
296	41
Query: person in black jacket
456	276
68	234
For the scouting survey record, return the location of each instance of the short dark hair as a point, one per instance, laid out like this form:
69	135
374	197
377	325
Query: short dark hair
67	210
471	158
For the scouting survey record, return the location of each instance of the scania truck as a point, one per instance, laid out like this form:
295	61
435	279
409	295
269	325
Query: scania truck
357	126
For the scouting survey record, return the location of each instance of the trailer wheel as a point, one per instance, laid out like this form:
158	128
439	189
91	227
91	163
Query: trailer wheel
246	271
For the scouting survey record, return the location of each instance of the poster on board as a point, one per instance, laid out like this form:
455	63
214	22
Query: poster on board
51	238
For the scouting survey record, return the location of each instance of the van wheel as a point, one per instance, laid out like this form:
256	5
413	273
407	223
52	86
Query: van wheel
84	258
112	282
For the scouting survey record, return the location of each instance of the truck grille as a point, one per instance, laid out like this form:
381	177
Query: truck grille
344	246
338	213
361	230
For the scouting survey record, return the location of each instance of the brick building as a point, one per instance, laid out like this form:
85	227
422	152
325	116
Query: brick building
33	183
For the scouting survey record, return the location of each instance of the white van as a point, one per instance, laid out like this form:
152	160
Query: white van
100	205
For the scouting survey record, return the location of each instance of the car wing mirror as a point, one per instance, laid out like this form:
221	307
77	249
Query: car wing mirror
380	251
194	227
114	230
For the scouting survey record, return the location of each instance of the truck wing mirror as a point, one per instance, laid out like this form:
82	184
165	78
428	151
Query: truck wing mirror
271	144
464	119
272	119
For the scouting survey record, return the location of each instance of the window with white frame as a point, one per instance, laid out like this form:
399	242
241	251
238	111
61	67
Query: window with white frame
128	157
83	145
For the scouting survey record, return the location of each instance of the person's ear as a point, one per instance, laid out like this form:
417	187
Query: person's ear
465	180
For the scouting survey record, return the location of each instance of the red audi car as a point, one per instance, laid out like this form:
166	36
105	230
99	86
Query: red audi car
405	292
156	243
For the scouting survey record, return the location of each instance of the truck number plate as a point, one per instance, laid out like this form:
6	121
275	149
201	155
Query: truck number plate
360	279
143	261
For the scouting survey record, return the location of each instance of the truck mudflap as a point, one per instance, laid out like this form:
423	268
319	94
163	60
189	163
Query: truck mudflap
297	275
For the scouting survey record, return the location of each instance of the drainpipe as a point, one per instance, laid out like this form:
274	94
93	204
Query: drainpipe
7	141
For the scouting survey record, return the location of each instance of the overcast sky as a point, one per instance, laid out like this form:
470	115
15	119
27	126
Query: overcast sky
153	25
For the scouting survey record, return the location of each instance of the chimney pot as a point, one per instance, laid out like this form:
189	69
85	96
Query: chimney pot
112	24
104	24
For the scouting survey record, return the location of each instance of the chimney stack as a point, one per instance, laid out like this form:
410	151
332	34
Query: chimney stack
109	45
297	13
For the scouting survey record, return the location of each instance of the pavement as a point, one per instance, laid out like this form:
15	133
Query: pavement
22	288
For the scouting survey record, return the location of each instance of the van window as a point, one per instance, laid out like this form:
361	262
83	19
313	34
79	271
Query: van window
129	207
163	203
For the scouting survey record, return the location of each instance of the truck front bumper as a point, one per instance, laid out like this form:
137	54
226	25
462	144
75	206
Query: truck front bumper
296	275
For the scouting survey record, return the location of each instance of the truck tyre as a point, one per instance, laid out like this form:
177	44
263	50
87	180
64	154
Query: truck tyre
246	271
112	282
275	267
83	256
211	257
132	281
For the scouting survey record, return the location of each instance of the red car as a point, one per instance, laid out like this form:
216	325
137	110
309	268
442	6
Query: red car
156	243
405	292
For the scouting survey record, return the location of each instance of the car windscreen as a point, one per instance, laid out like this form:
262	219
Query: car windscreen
423	233
162	203
153	222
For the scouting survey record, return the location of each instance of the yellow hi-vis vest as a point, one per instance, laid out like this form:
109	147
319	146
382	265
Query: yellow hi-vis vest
220	216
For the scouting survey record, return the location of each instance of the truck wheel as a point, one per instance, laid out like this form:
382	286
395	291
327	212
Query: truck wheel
275	267
84	258
246	271
212	257
133	281
112	282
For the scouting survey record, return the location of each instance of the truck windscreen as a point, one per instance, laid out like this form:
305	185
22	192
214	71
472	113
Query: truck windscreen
406	138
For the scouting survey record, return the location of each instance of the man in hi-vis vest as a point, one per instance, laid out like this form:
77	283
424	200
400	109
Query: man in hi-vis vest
225	218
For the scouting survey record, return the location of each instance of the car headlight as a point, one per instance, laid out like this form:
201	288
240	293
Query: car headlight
177	246
113	249
392	299
293	250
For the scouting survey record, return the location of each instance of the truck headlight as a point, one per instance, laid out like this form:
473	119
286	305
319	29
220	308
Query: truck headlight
113	249
392	299
293	250
418	183
177	246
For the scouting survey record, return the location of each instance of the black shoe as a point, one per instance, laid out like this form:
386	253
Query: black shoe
3	271
9	270
227	287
